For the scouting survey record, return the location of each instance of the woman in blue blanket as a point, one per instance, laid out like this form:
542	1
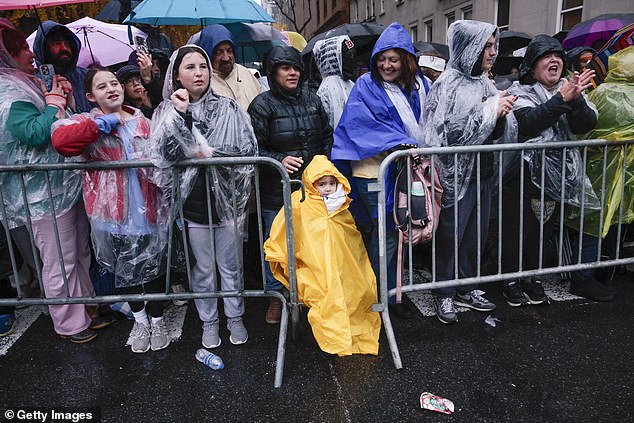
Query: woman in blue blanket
383	113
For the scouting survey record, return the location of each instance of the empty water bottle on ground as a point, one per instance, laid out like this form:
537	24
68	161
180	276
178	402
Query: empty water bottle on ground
209	359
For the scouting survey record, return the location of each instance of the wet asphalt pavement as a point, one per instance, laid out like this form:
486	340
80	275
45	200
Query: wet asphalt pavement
572	361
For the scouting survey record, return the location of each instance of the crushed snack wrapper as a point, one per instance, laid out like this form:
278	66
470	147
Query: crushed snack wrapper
436	403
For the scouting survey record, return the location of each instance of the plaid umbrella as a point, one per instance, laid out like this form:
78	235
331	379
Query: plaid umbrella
596	30
623	38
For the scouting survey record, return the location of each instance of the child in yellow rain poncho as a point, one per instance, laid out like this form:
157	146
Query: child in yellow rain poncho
334	276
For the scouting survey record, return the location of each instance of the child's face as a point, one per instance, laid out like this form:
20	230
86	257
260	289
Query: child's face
107	92
326	185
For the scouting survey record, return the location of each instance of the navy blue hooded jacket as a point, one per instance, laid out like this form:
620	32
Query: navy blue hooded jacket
74	74
213	35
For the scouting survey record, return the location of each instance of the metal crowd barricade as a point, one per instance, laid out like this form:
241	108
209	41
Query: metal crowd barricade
176	170
506	155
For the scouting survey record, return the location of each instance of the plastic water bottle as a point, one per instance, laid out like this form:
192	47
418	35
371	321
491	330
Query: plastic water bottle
209	359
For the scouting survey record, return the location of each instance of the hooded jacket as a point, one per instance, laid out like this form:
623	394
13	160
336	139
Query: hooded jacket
212	127
74	74
371	123
543	116
25	139
334	275
334	89
462	106
287	124
240	84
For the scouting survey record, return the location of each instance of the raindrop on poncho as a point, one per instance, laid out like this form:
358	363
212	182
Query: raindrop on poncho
461	108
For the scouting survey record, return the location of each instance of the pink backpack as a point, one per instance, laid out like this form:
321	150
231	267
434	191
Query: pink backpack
416	207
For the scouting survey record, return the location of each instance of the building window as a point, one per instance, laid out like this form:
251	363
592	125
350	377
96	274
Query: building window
467	12
381	6
369	9
413	32
451	18
503	13
570	14
354	11
429	30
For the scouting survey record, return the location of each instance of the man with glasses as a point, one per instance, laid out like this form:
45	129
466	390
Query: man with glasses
136	95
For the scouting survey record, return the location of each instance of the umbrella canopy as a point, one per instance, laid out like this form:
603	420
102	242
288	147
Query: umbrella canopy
252	41
513	40
358	33
294	39
33	4
622	39
103	43
110	12
596	31
197	12
442	49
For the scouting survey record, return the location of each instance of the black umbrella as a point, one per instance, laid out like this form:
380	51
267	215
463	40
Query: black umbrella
111	11
441	49
358	32
513	40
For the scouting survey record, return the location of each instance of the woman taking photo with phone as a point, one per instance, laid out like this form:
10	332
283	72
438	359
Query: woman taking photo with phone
27	111
192	122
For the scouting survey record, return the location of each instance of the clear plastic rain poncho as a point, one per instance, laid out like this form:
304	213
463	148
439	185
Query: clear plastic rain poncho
461	109
614	100
129	214
533	95
16	85
220	129
334	89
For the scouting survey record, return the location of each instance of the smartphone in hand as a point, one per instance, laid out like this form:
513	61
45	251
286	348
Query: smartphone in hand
45	73
141	45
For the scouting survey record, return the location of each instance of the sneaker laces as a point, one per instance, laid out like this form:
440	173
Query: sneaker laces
140	330
159	328
446	305
475	295
232	323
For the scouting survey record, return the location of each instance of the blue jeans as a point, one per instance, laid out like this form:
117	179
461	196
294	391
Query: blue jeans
370	200
589	251
272	284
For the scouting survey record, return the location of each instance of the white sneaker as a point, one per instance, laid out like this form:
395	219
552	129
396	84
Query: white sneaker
179	289
140	336
211	334
239	334
159	338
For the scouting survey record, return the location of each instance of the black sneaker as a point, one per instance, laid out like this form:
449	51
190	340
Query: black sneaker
514	294
535	291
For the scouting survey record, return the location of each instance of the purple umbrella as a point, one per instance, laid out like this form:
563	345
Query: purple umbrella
596	31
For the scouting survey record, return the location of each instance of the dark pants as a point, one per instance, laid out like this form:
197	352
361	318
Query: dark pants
154	308
467	240
530	230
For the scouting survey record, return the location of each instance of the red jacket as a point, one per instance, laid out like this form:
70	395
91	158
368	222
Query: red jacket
106	191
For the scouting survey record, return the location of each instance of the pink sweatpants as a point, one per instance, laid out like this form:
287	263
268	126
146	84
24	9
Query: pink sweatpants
73	230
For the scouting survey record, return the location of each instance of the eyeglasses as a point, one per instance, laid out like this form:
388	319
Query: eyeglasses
133	81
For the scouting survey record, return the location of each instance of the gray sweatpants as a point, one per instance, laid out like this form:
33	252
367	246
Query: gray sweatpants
227	259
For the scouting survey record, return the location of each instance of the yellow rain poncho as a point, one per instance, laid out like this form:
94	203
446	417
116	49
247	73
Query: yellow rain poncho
334	276
615	102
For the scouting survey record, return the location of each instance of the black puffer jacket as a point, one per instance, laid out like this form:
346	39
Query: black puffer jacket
287	124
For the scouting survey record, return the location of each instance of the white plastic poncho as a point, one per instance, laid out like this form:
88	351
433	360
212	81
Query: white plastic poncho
16	85
334	89
129	214
220	129
461	109
576	181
